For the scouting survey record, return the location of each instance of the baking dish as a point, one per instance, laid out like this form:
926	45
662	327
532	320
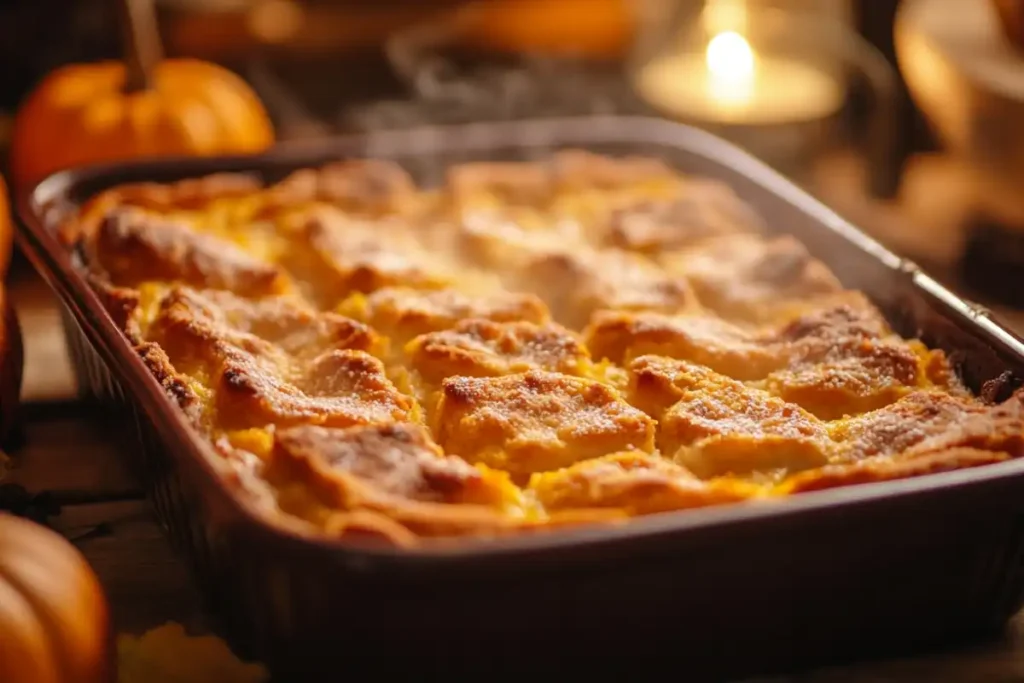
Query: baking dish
729	591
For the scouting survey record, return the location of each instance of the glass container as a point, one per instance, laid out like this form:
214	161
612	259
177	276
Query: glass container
774	76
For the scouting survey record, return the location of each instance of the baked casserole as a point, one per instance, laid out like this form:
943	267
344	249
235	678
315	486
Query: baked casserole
531	345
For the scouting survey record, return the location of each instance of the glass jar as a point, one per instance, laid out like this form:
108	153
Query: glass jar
773	76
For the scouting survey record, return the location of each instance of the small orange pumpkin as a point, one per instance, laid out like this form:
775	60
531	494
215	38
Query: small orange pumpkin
54	625
82	114
598	29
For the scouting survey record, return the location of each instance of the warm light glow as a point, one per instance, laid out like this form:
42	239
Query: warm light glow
730	58
730	64
730	82
721	16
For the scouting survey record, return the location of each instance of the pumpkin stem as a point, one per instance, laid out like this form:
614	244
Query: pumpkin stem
142	48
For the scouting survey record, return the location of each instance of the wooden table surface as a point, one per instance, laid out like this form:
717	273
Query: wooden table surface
65	452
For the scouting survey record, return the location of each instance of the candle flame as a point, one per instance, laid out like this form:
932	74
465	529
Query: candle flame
729	57
730	64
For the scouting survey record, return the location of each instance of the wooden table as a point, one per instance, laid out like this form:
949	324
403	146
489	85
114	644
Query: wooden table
66	453
69	455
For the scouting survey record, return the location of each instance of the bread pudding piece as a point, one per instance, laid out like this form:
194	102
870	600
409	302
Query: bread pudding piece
196	196
857	377
537	183
401	313
282	321
132	247
576	284
923	433
336	254
324	475
734	351
365	187
502	214
506	244
481	348
637	483
739	351
928	421
716	426
832	362
846	360
698	210
499	184
577	169
536	421
751	279
882	469
510	211
321	374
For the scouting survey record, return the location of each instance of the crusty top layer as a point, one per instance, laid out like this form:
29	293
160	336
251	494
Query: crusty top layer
533	344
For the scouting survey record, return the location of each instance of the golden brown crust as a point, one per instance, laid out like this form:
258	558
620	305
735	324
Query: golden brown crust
635	482
620	336
481	348
367	186
536	184
748	278
402	313
337	389
832	362
536	421
194	194
717	426
133	247
378	466
337	255
381	363
903	425
697	211
274	362
882	469
575	285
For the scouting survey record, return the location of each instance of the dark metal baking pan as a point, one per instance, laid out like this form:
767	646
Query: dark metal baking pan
720	592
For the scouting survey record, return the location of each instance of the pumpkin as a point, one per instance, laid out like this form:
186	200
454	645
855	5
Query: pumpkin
601	29
83	113
54	626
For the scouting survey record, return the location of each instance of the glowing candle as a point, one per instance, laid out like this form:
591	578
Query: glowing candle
731	84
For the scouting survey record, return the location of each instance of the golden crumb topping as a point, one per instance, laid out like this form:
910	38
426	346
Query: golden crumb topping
698	210
575	285
261	370
536	421
365	186
635	482
481	348
749	278
620	336
340	254
135	247
402	313
715	425
366	465
530	345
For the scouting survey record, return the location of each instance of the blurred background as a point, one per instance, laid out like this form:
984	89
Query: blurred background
897	113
